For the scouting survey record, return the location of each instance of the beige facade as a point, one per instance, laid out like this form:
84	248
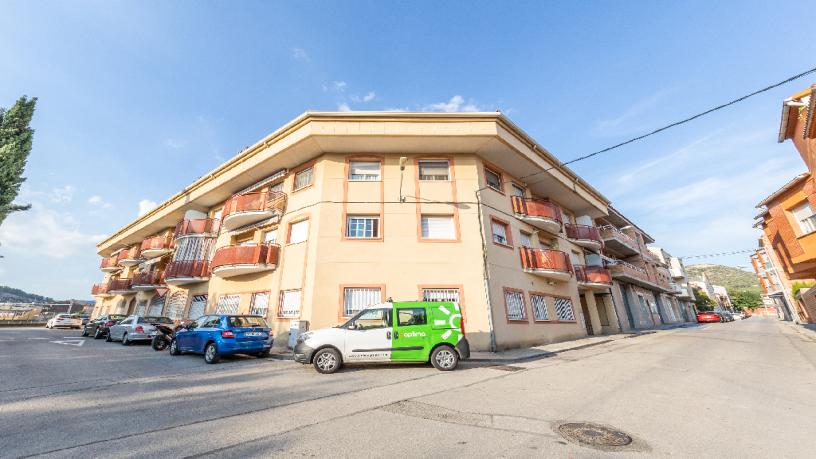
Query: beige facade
334	210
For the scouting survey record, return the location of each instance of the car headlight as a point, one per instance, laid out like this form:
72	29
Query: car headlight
304	336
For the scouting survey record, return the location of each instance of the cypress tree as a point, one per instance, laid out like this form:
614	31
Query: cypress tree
15	145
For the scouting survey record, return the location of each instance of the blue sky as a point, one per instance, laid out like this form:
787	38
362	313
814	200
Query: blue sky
137	99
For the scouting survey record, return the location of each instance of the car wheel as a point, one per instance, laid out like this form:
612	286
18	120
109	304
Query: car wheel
327	361
263	354
444	358
108	337
97	334
125	341
211	354
84	331
174	349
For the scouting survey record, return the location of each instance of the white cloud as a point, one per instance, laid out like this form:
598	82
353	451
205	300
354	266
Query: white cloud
175	144
145	206
62	195
335	86
99	202
46	232
627	121
455	104
343	107
299	54
369	97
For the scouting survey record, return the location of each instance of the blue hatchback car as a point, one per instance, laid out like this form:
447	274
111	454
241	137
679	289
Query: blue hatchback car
217	335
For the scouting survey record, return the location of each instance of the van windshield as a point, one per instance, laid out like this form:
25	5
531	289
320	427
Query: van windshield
369	318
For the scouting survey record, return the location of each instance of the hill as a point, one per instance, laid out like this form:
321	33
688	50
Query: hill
728	276
15	295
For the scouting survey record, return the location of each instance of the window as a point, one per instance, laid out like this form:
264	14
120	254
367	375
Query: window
413	316
359	227
271	235
303	178
290	303
437	227
493	179
260	304
804	215
298	232
194	248
500	232
514	302
517	190
434	170
278	187
525	239
440	294
228	304
175	308
197	307
364	171
156	306
372	318
563	310
540	312
357	298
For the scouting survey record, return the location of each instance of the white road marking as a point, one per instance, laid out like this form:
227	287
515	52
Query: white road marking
74	342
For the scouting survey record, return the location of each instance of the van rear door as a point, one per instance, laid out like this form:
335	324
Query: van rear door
412	335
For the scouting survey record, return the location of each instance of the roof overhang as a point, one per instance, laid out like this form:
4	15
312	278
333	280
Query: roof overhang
785	188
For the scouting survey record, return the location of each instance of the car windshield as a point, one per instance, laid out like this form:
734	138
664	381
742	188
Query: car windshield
158	320
247	321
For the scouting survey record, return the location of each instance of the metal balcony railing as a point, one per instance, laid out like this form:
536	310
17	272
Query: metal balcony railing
253	202
266	254
593	274
545	259
536	208
199	226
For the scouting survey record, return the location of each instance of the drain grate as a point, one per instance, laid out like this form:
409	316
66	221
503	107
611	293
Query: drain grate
594	435
506	367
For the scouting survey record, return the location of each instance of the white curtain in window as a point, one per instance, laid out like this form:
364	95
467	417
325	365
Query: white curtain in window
364	170
434	170
499	233
438	227
525	240
303	178
260	304
298	232
357	298
271	236
197	307
228	304
194	248
290	303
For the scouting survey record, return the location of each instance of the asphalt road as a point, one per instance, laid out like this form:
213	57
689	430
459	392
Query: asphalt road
741	389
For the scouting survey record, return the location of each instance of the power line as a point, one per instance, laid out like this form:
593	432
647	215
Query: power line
678	123
720	254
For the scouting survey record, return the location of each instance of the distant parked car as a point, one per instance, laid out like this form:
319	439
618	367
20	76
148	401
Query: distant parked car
135	328
217	335
708	317
98	327
85	318
737	315
64	320
726	316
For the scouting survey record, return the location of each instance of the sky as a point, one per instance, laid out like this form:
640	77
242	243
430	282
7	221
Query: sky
138	99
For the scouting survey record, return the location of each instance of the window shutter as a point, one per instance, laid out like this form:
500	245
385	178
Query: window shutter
298	232
290	303
364	170
357	298
434	170
437	227
260	304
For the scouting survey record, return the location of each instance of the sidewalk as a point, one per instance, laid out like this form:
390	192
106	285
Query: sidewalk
806	330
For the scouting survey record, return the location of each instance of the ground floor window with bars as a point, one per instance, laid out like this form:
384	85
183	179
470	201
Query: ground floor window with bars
175	307
260	304
156	306
563	310
540	312
514	302
197	307
357	298
440	294
228	304
290	303
141	307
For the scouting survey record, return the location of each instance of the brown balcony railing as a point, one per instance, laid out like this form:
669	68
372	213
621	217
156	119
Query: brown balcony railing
593	274
128	254
536	208
246	255
119	284
610	232
190	268
109	262
585	232
148	278
197	226
629	269
549	259
157	243
251	202
99	289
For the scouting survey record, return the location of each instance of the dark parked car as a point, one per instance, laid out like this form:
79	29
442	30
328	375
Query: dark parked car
100	326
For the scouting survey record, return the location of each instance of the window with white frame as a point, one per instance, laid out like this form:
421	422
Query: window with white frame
290	303
441	294
540	311
563	310
514	301
260	304
357	298
434	170
194	248
517	190
271	235
525	239
364	171
493	179
362	227
228	304
197	307
806	217
500	232
304	178
298	232
278	187
437	227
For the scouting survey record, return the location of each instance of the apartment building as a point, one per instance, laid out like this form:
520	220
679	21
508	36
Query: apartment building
682	302
777	288
336	211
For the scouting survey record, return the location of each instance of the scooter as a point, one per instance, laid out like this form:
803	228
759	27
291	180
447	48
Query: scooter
164	335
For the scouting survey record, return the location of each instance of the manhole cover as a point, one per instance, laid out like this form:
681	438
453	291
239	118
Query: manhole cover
588	434
506	367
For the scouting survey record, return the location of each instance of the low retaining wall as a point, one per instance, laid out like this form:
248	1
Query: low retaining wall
22	323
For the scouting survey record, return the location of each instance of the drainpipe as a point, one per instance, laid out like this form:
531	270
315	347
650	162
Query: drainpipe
486	273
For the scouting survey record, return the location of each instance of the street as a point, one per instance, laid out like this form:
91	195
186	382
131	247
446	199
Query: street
742	389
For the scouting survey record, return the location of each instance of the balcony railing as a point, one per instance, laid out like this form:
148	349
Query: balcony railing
585	235
129	257
596	275
619	241
537	212
109	264
119	285
546	262
148	279
197	227
181	272
237	259
156	245
99	289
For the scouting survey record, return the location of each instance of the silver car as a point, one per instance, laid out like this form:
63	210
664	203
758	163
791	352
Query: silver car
136	328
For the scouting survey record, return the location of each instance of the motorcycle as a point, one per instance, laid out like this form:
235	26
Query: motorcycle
164	335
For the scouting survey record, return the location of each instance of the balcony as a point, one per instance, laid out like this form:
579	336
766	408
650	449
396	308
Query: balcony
593	277
109	265
632	274
186	272
552	264
588	237
542	214
197	227
149	280
677	273
129	257
245	209
156	246
619	242
100	290
120	286
237	260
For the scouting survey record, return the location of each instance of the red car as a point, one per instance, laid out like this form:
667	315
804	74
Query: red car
708	316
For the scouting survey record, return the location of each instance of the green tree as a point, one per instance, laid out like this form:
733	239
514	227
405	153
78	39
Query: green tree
745	298
15	145
798	285
702	300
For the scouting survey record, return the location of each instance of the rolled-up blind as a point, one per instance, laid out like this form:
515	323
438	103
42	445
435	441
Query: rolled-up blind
438	227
